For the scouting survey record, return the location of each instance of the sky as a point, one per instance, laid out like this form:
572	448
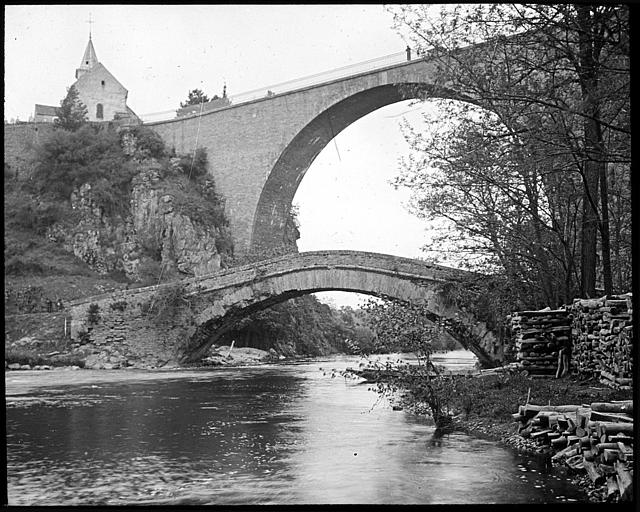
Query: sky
160	52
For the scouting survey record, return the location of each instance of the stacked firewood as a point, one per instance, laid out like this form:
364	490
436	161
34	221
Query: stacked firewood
595	438
602	333
539	336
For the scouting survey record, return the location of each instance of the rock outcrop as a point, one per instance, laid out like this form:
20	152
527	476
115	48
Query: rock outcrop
153	234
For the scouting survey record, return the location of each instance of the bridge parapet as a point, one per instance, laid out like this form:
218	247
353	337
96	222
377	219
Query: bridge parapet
374	262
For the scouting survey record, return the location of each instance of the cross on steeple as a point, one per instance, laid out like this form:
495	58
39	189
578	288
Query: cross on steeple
89	22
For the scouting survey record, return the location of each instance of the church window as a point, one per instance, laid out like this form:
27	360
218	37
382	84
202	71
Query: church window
102	82
99	111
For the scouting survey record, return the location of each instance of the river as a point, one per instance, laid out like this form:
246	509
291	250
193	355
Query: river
292	433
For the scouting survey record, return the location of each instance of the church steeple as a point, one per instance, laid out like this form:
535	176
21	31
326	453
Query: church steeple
89	59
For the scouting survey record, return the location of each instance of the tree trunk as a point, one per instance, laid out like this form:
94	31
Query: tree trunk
589	233
593	144
625	406
607	276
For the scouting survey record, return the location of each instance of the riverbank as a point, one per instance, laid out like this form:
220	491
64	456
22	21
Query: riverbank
31	354
483	407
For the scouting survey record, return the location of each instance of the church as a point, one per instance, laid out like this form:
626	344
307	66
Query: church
104	96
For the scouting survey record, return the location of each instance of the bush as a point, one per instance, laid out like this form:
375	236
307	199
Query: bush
148	142
67	160
18	266
167	303
195	165
93	314
22	211
119	305
149	271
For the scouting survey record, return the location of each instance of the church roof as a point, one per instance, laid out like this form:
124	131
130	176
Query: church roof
46	110
89	59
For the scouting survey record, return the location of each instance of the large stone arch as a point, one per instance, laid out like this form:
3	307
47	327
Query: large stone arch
259	149
269	226
202	308
378	275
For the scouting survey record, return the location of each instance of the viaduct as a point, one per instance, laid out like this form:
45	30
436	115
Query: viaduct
259	151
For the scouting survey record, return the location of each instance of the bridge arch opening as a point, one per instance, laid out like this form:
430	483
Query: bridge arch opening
270	228
292	276
215	331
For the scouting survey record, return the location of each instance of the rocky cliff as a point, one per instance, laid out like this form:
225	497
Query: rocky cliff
152	237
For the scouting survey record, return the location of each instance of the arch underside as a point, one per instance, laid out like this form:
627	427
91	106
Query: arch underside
269	228
284	287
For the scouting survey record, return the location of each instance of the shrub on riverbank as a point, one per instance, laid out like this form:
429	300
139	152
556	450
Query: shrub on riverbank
498	396
490	399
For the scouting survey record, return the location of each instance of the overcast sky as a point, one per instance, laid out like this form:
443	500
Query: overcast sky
160	52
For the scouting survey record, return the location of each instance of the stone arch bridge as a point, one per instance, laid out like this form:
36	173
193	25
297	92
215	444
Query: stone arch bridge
260	150
179	321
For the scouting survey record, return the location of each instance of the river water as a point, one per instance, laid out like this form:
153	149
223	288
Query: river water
276	434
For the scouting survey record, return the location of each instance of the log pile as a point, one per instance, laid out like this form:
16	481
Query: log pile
602	335
539	337
596	439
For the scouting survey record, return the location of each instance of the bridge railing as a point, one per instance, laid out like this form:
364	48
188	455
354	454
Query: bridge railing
297	83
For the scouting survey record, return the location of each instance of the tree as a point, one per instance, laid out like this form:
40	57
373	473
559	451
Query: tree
72	113
196	96
402	327
66	160
409	327
524	183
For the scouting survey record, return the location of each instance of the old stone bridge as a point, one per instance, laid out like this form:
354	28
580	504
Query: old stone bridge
178	322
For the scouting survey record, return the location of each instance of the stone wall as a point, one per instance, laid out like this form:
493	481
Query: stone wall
19	140
127	323
285	132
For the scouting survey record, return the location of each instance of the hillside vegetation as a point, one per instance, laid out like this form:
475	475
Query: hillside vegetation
98	209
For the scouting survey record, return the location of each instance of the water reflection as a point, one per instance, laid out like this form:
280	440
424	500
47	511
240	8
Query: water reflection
268	435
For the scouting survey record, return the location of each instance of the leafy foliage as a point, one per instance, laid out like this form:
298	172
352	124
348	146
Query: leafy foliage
67	160
524	183
168	304
195	97
22	211
72	113
299	326
195	165
148	143
93	314
403	327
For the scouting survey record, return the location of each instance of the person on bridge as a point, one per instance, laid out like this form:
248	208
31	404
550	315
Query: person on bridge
408	53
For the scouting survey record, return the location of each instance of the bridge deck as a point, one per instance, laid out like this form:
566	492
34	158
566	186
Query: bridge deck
361	260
